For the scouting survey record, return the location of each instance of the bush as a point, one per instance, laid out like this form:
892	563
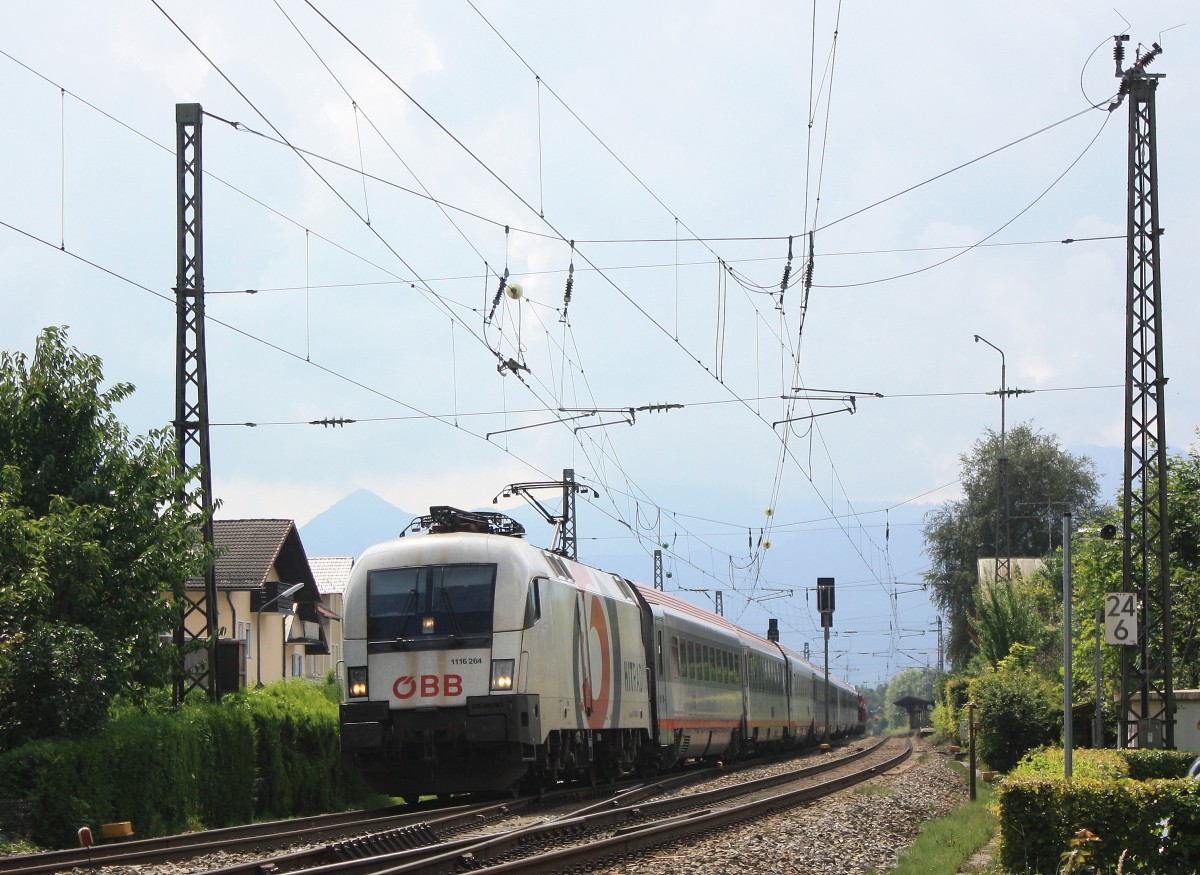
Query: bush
1047	762
1147	764
270	751
299	752
1156	823
1018	711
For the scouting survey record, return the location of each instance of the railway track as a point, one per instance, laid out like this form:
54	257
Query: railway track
432	839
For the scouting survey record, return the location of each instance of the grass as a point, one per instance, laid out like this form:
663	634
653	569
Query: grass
946	843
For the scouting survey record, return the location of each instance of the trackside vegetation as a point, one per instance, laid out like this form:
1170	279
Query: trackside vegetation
265	753
1128	808
946	843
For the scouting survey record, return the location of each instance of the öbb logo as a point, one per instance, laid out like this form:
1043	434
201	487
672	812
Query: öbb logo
427	686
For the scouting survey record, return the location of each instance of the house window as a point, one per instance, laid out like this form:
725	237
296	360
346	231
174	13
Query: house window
297	665
243	632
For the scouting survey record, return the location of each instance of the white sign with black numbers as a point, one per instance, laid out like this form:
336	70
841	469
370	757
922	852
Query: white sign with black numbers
1120	618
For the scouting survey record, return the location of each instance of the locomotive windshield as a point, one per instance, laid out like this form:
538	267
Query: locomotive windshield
431	605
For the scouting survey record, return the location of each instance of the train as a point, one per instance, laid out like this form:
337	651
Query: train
477	662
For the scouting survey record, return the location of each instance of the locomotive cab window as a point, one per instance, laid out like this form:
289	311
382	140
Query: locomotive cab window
431	606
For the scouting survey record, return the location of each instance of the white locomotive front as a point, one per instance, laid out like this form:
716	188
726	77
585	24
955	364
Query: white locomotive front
475	661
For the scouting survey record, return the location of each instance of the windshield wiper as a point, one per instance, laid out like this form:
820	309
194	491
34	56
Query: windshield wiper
450	610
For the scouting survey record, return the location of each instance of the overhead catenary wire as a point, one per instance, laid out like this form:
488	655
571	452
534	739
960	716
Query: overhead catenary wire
585	268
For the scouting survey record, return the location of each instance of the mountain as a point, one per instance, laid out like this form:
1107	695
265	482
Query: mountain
362	518
351	525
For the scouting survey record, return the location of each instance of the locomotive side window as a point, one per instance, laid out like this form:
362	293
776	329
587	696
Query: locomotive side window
533	605
430	604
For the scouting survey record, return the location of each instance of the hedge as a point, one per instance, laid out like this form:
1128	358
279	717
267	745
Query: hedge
1147	764
269	752
1156	823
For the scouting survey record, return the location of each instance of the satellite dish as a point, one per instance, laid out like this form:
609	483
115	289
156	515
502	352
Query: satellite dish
514	291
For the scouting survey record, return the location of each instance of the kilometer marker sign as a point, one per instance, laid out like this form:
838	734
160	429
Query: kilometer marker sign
1120	618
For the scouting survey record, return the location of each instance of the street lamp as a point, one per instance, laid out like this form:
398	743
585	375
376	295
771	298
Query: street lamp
1002	496
258	624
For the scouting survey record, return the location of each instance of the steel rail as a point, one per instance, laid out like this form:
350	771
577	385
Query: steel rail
616	813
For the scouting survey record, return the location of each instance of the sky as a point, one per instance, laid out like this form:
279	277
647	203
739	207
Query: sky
390	161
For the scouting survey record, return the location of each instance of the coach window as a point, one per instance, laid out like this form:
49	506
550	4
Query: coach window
676	669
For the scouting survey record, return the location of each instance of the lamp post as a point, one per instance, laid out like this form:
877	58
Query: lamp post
1068	711
1002	483
258	625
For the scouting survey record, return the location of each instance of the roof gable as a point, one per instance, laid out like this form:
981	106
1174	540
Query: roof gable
249	549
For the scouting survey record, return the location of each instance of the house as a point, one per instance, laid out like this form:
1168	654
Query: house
270	634
331	574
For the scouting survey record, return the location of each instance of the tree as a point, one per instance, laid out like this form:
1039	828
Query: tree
1019	611
1096	570
1043	481
919	682
90	539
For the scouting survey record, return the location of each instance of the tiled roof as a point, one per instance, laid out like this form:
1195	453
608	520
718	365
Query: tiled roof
331	572
250	548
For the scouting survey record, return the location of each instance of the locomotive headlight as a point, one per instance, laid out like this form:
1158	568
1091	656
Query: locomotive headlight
502	674
356	680
427	625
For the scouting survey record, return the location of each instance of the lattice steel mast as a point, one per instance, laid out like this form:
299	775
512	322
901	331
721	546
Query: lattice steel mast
197	619
1145	560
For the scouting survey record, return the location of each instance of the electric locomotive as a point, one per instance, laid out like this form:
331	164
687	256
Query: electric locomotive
478	662
475	660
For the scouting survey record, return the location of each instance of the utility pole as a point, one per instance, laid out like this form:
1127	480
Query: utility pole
197	619
570	539
941	657
658	570
1145	557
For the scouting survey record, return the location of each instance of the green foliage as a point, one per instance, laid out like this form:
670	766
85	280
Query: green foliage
299	752
1147	764
51	682
1041	479
90	536
1007	613
1047	762
946	843
919	682
1156	822
1018	710
1096	570
947	713
272	751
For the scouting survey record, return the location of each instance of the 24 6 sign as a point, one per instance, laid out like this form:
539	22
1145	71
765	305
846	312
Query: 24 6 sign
1120	618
